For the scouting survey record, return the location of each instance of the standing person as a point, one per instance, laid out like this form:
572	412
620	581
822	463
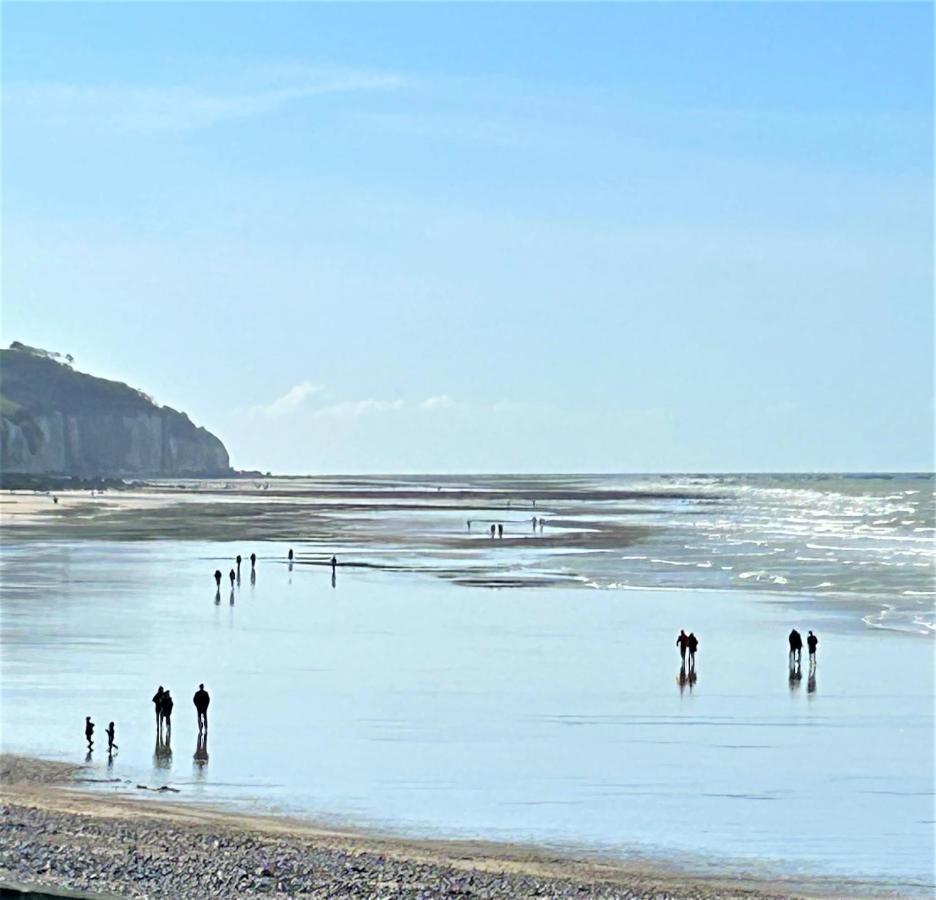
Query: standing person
493	530
334	564
693	643
167	704
812	642
237	559
89	732
157	702
500	530
683	643
796	646
232	576
253	561
111	746
218	578
201	701
290	555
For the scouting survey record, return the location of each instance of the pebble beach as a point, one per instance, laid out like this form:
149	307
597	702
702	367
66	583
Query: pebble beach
56	837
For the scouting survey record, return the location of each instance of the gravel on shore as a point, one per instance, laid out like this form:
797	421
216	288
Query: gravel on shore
54	836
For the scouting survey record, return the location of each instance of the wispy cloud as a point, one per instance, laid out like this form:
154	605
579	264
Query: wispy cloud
442	401
177	108
353	409
290	401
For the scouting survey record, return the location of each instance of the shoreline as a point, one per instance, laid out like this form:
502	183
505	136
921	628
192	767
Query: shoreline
59	836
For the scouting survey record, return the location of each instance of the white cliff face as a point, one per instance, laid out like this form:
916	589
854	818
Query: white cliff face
57	421
142	444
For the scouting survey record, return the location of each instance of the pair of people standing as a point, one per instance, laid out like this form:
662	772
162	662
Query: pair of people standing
796	647
164	703
687	643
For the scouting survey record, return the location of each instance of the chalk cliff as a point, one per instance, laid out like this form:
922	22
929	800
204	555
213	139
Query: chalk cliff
55	420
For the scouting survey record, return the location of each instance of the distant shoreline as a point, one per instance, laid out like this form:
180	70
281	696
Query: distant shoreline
185	850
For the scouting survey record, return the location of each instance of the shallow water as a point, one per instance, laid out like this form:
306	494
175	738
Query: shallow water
423	706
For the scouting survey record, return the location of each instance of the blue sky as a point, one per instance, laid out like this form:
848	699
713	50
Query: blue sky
615	237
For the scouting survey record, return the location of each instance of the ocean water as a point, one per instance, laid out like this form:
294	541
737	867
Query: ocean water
525	688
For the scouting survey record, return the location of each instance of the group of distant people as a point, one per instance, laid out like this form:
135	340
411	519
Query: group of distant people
163	704
497	529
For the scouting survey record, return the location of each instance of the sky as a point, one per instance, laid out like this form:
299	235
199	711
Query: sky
485	237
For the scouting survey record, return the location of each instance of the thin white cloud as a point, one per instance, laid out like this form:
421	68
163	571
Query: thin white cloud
442	401
144	108
290	401
353	409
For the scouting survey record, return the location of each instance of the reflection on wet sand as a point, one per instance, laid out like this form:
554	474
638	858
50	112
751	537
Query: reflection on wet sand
796	673
200	758
162	755
686	678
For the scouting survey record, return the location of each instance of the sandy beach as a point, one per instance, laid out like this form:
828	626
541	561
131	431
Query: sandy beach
57	836
406	704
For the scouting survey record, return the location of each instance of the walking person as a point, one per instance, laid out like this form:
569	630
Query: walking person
232	576
201	701
334	564
89	732
812	642
218	578
500	530
493	530
693	643
253	561
110	732
683	643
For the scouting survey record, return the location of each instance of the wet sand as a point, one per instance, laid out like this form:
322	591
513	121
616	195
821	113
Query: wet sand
56	836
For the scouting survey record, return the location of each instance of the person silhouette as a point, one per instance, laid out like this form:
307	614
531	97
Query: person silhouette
110	732
89	732
167	704
237	559
812	642
289	555
693	643
201	701
500	530
468	523
334	564
232	576
253	560
796	646
218	578
534	523
493	530
157	702
683	643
